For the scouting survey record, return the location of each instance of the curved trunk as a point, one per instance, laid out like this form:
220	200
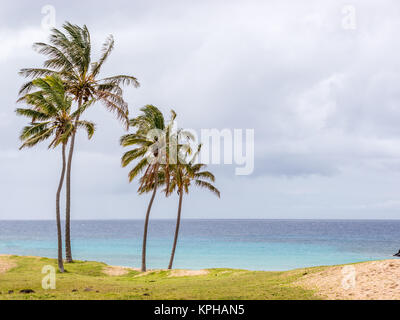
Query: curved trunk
146	222
68	251
178	222
58	216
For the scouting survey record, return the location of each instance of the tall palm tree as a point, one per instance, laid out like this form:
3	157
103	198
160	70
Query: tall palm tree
51	117
182	175
69	56
151	151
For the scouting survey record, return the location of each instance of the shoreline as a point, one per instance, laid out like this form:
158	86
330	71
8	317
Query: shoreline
257	245
370	280
210	268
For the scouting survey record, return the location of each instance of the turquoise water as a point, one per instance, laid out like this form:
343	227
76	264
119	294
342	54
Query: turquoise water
247	244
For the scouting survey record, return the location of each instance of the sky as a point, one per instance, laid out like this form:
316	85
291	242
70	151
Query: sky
317	81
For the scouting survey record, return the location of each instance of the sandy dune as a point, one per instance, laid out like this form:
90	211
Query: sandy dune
117	271
120	271
376	280
5	263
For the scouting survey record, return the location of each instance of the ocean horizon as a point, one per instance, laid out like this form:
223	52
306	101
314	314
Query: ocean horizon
256	244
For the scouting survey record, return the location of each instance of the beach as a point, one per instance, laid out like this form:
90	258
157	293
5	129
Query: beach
21	278
216	259
373	280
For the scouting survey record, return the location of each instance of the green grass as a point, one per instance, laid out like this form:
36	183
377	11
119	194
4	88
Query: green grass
218	284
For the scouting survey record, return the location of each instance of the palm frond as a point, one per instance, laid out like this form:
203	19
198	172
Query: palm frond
208	186
57	58
133	139
108	47
64	132
25	88
115	104
131	155
205	175
138	169
40	135
39	102
32	114
110	87
36	72
79	39
196	167
32	130
121	80
90	127
83	108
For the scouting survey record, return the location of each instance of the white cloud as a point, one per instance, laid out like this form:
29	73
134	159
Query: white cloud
18	43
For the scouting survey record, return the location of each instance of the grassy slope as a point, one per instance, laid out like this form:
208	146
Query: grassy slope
218	284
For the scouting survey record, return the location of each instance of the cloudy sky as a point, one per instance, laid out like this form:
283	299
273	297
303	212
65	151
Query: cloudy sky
319	85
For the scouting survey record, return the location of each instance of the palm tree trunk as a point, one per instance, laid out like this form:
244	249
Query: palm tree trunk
178	222
146	223
58	216
68	251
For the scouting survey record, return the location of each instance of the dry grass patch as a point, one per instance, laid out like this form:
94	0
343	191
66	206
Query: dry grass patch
6	263
188	273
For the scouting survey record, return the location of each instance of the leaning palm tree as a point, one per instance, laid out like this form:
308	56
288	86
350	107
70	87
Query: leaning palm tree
69	56
182	175
51	117
151	150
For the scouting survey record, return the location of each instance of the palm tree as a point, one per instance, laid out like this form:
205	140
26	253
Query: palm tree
151	151
69	56
51	117
183	174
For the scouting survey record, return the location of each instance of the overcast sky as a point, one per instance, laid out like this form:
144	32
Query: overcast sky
320	87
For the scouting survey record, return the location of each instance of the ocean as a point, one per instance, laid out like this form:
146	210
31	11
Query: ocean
245	244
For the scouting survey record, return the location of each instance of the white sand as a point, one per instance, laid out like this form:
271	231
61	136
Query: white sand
117	271
375	280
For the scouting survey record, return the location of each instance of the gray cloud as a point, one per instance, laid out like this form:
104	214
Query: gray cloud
323	102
